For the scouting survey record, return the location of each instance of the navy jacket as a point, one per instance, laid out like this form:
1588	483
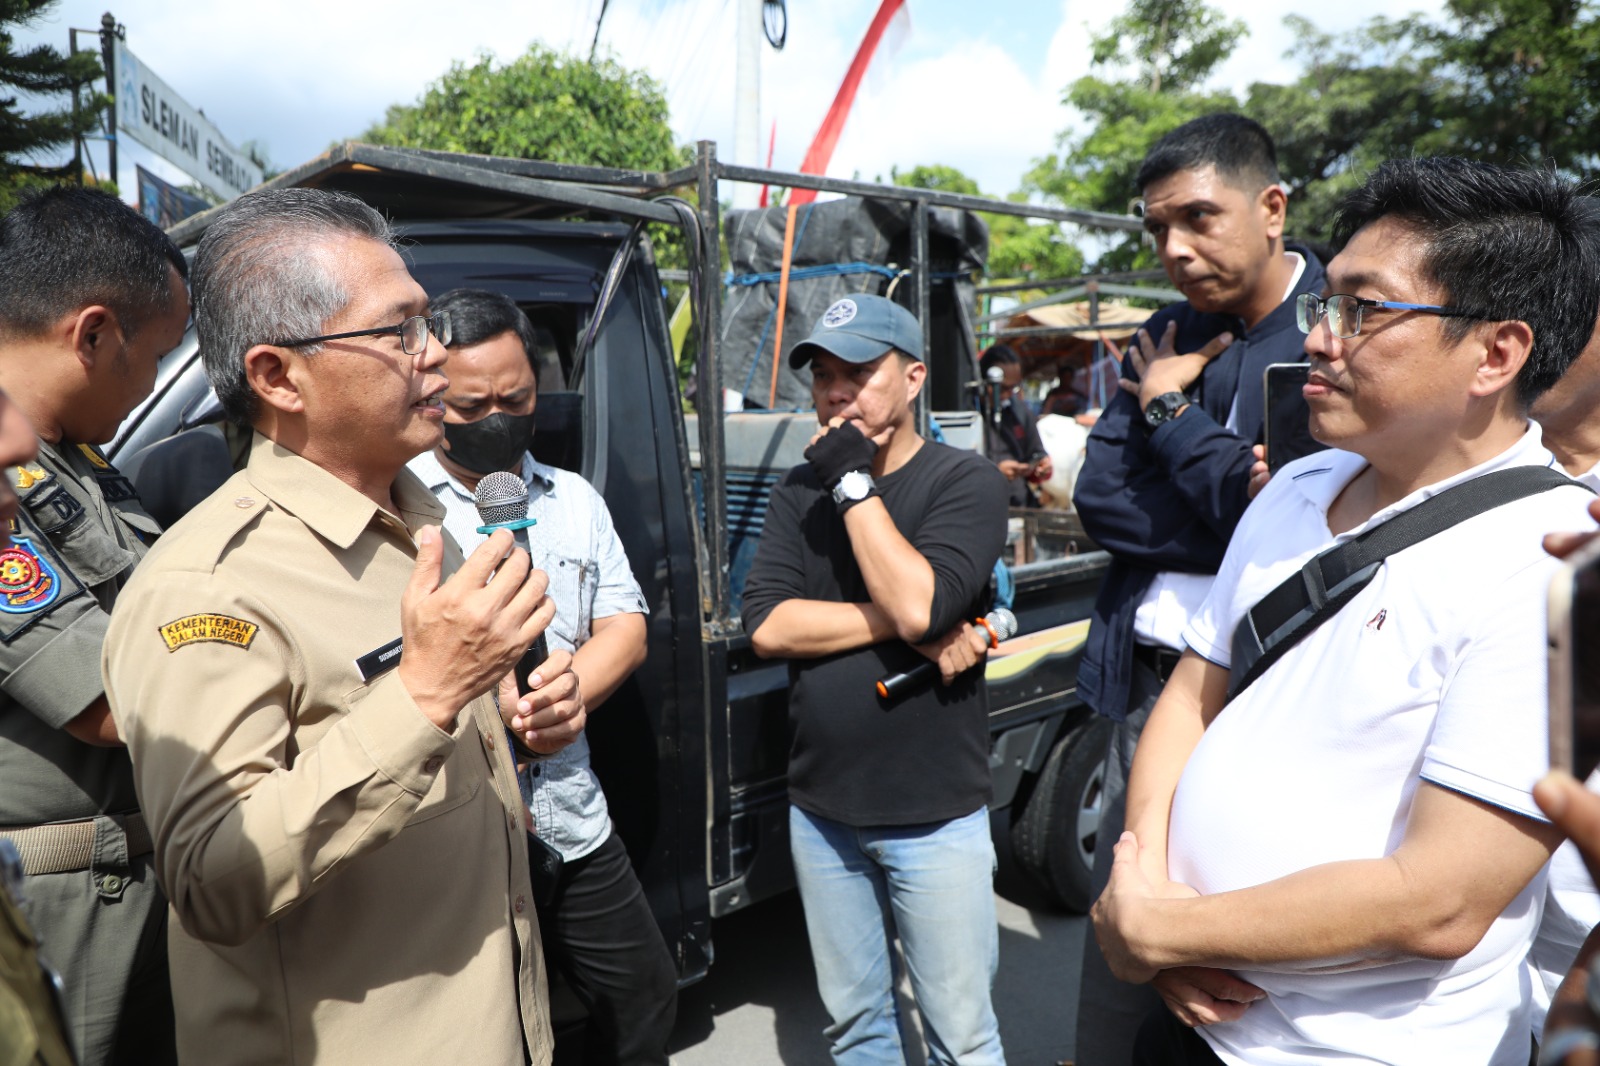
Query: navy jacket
1169	498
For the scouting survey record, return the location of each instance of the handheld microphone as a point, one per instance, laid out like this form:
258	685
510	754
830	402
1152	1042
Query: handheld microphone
502	502
994	379
1001	624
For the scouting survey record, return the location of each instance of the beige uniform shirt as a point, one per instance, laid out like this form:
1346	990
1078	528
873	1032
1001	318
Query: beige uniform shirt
348	882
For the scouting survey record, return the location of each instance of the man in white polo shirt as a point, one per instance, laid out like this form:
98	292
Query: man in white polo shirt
1357	822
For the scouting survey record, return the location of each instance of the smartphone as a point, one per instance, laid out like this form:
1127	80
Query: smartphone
1575	664
1288	416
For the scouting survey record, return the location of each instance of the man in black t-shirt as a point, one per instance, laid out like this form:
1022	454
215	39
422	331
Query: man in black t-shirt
875	557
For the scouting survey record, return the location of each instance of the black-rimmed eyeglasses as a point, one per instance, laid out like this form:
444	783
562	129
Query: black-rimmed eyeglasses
1344	313
413	333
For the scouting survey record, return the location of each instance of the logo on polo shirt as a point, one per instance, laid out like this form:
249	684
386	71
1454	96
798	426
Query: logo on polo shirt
840	313
1377	620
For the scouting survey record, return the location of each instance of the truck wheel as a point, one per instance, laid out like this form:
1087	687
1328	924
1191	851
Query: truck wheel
1054	837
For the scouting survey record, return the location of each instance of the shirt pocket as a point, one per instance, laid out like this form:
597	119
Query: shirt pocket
90	550
572	587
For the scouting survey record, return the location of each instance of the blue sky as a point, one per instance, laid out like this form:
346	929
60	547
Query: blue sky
980	92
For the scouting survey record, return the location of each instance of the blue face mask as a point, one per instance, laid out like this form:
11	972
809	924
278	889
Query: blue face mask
489	444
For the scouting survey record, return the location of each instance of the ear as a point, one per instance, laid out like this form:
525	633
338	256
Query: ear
273	374
1274	205
916	375
1507	346
91	334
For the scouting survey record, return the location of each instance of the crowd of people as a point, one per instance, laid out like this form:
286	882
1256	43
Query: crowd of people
352	835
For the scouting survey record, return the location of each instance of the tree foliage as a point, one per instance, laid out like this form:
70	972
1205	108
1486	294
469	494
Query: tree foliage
40	71
1018	247
542	105
1512	81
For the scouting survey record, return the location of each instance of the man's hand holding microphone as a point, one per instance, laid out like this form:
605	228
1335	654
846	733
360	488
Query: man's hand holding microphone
463	636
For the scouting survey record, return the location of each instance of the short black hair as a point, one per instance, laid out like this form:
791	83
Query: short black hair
1240	148
66	248
478	315
1507	242
998	355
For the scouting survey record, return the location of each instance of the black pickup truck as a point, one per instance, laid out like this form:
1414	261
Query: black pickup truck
692	750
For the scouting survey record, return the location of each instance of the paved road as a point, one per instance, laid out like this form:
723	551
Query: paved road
759	1005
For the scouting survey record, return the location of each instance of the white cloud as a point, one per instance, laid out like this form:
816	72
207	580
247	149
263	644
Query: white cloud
302	74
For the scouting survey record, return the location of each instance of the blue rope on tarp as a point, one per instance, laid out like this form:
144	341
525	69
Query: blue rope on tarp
824	270
772	316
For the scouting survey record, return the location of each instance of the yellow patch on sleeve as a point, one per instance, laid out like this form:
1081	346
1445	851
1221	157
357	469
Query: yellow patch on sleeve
28	475
198	628
94	457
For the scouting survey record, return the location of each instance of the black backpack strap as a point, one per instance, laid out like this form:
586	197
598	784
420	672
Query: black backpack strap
1320	589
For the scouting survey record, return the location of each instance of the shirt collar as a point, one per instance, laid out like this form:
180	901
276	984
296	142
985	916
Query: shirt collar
331	508
433	475
1322	482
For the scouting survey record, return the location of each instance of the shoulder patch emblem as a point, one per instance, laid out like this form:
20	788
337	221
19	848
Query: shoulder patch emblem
215	628
27	582
839	313
94	457
28	475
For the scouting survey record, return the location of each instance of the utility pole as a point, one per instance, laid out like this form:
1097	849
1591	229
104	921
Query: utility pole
110	31
747	99
598	22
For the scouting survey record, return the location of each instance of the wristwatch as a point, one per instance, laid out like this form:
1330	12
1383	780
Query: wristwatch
1164	408
854	487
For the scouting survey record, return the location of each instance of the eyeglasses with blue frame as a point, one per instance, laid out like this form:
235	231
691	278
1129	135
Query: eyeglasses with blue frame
1344	313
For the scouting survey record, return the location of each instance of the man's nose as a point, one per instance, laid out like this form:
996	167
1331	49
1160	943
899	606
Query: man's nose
433	354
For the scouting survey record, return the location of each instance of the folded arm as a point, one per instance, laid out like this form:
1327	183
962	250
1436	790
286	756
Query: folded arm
1459	865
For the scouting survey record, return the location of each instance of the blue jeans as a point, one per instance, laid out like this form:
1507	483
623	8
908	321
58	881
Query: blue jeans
933	886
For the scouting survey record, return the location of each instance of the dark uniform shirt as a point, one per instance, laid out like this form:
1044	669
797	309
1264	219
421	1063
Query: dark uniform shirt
78	534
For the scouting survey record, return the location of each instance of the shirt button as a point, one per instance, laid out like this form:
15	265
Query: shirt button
431	766
521	904
111	882
244	501
488	741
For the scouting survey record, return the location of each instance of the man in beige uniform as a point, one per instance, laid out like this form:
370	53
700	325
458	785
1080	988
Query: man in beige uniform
91	297
336	815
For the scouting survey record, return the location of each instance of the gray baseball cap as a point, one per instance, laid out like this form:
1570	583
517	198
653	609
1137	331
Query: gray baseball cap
858	329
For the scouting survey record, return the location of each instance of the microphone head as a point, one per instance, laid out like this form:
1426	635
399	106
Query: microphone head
1004	622
501	497
995	375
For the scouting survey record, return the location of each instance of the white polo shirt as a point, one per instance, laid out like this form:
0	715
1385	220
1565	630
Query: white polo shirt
1436	670
1571	903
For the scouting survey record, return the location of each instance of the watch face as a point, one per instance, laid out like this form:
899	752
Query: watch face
855	485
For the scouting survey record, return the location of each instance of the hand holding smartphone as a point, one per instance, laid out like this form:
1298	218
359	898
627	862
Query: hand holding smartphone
1287	434
1575	663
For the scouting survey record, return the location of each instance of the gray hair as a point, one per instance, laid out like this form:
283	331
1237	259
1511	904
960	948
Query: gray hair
258	277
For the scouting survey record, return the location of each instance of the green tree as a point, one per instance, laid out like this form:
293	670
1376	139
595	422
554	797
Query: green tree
1018	247
39	71
542	105
1166	49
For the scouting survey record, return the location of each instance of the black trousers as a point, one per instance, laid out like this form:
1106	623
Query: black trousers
599	932
1165	1041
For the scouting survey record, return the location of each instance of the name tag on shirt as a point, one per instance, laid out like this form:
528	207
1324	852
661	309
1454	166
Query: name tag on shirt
380	661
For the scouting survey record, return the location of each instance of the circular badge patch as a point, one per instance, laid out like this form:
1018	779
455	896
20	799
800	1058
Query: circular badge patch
27	582
841	312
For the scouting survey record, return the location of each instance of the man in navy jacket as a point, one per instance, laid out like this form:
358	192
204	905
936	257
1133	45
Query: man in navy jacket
1167	470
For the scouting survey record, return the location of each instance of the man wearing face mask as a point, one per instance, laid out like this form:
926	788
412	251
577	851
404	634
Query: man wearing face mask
598	929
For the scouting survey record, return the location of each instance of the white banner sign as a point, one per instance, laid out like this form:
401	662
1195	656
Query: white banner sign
158	118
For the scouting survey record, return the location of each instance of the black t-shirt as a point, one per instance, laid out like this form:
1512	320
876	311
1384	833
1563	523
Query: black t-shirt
854	758
1016	437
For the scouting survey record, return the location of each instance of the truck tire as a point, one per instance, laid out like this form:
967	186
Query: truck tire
1054	837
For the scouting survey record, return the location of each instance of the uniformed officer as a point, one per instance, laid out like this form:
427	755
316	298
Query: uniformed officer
91	296
310	707
31	1027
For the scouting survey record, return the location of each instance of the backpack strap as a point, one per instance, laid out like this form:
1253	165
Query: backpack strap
1320	589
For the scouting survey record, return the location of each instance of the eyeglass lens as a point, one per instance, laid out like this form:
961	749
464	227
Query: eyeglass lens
414	332
1343	313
